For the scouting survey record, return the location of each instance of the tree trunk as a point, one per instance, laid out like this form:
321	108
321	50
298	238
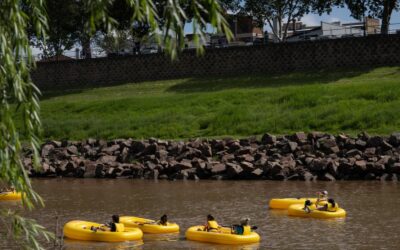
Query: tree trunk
388	7
86	48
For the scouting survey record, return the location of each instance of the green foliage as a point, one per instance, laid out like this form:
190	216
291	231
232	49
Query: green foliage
279	10
342	101
381	9
17	88
114	41
63	20
165	19
19	96
26	227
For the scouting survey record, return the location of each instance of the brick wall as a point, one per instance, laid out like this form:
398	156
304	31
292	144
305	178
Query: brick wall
273	58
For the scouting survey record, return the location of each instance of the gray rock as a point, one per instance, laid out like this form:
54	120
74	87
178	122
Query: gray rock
375	141
326	177
184	164
218	168
307	176
111	150
386	146
360	166
90	170
353	152
395	168
162	154
268	139
99	171
257	173
394	139
233	170
109	159
73	150
247	166
370	152
247	157
46	149
292	146
299	137
360	144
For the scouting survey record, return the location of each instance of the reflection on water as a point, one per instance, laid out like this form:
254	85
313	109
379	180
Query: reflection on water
77	245
372	211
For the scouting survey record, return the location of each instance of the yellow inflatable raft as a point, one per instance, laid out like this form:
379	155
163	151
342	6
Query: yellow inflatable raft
284	203
148	226
297	210
223	236
80	230
10	196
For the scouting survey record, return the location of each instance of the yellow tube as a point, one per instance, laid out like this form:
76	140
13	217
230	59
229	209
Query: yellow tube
297	210
284	203
9	196
149	226
80	230
223	236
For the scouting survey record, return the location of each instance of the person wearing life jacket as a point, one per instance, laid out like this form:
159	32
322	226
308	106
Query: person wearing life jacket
331	206
322	198
211	225
113	226
244	228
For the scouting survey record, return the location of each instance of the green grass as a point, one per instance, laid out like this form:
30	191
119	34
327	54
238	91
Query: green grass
340	101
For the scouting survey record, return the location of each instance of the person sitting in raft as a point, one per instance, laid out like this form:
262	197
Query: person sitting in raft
331	206
163	220
211	225
322	197
244	228
113	226
307	205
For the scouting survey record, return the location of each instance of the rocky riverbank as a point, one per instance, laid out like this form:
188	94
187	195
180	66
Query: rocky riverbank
301	156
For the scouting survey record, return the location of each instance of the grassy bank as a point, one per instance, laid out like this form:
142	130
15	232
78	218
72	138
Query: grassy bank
341	101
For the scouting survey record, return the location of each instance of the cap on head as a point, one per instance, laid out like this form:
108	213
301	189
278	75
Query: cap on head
325	192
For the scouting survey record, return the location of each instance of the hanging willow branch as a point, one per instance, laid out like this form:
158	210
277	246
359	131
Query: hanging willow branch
20	97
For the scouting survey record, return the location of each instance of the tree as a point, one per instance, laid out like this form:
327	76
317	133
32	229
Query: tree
20	97
114	41
62	32
277	12
382	9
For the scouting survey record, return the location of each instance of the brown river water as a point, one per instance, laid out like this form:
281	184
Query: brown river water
372	222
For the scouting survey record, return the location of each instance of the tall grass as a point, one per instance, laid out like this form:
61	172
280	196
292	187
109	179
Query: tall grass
340	101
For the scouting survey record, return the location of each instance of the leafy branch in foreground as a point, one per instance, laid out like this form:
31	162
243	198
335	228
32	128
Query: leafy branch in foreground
18	90
27	228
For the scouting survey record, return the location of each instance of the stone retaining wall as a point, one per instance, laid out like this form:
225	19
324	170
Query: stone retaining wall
301	156
368	51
